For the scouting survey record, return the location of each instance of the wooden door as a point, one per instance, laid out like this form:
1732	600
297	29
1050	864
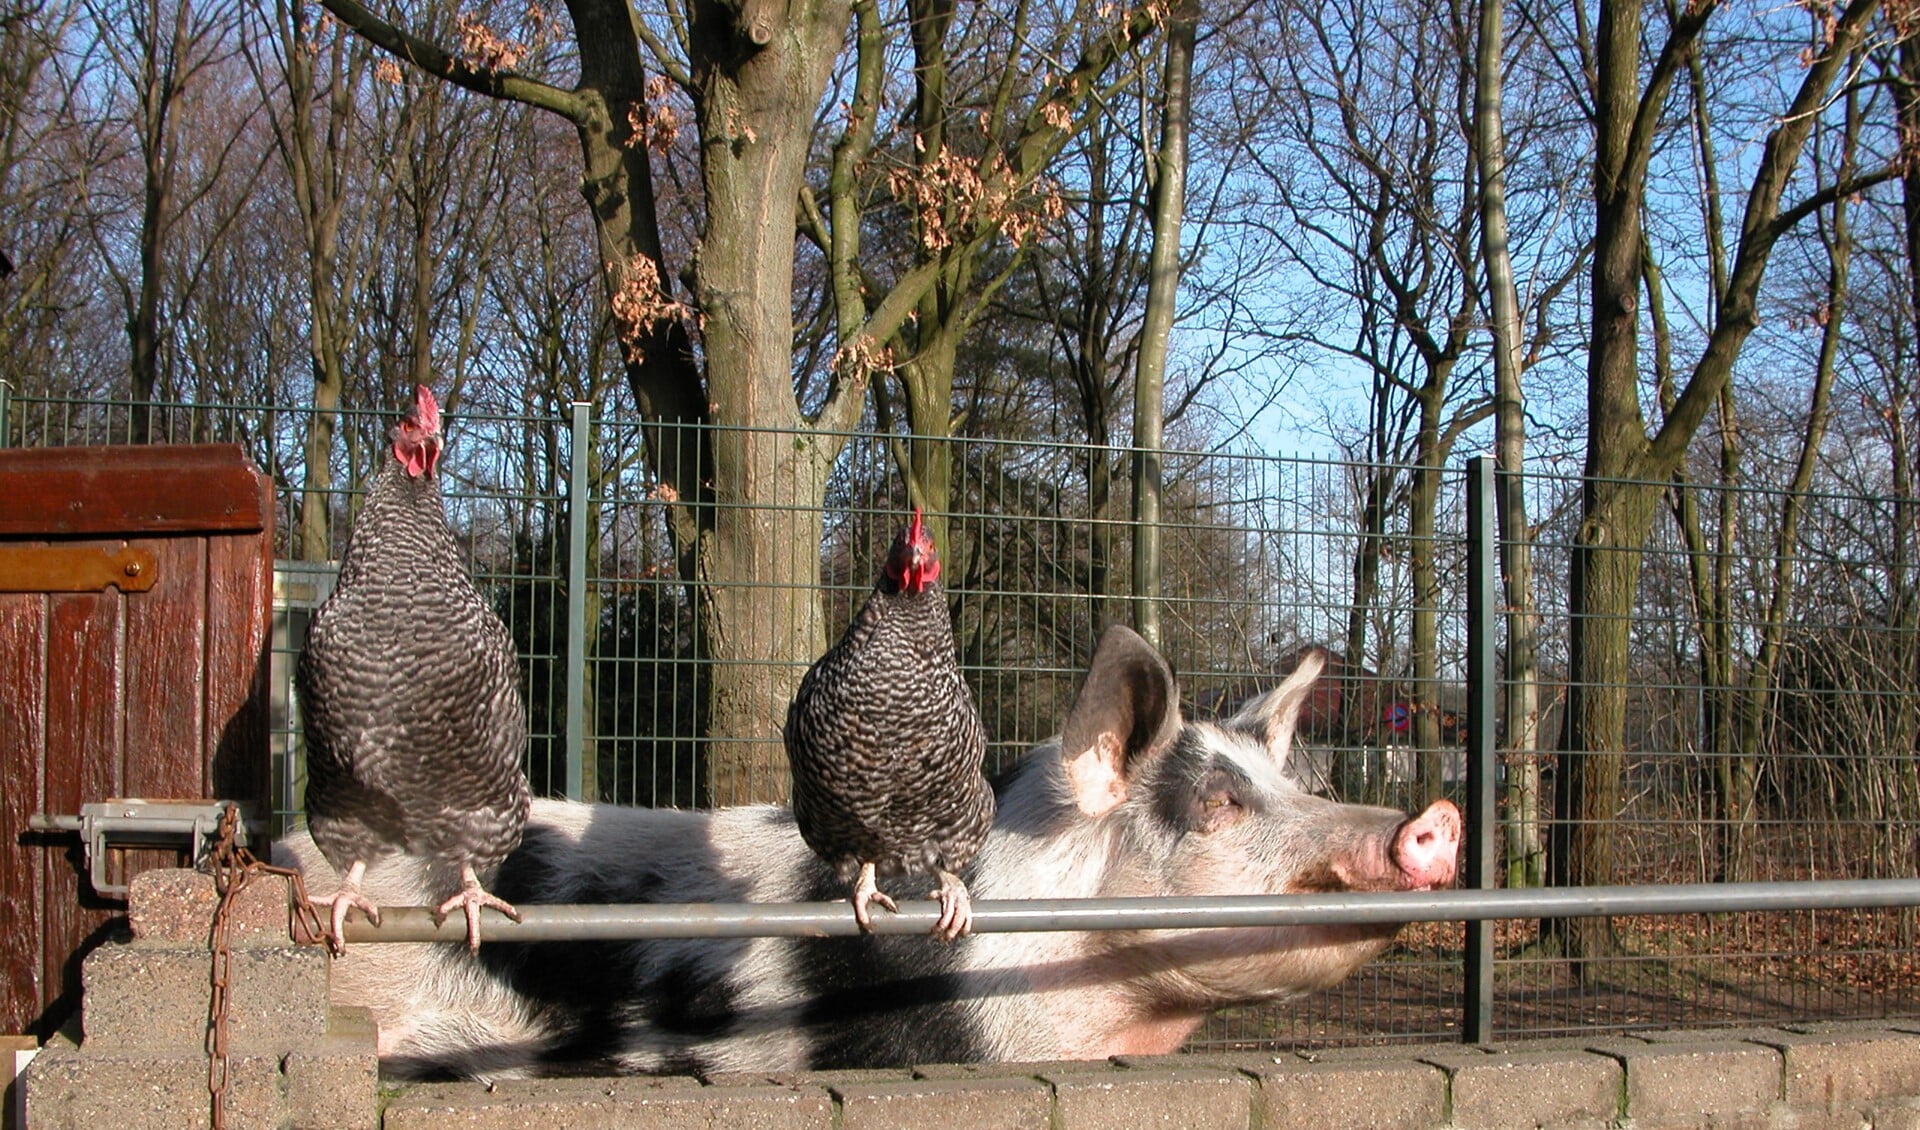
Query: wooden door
135	600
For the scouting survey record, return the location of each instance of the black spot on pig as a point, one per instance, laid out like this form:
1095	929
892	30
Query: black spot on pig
885	1000
1196	790
588	988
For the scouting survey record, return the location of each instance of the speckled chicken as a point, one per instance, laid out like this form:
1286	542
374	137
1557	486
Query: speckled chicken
886	745
410	687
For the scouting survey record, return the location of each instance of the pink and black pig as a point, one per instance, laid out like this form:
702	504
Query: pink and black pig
1130	801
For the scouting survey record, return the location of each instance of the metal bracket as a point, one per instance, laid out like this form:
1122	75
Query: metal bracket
133	822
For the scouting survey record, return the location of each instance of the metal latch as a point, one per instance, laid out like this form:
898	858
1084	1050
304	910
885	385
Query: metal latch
133	822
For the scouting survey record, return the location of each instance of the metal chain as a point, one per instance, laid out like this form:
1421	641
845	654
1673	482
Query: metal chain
233	867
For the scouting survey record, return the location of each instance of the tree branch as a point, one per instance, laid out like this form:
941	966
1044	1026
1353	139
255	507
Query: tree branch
437	61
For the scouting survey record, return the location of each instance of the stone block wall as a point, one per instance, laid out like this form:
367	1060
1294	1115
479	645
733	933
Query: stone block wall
138	1061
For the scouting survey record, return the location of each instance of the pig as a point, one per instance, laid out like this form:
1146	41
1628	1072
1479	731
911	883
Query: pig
1130	800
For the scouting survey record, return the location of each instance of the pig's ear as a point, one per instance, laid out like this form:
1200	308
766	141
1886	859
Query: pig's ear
1127	710
1272	717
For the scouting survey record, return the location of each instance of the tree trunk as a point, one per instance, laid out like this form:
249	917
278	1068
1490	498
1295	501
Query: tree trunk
1423	662
1520	715
315	172
1169	195
160	87
758	558
744	465
1587	788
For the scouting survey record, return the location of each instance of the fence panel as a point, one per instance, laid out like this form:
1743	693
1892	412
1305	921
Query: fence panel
1809	775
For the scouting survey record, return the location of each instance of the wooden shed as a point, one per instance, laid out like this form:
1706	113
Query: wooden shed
135	601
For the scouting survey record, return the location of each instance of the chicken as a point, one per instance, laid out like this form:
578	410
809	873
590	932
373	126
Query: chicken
886	745
410	687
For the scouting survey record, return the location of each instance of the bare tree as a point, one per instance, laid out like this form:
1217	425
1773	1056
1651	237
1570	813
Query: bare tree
1625	461
1383	210
162	51
1520	716
1169	196
748	492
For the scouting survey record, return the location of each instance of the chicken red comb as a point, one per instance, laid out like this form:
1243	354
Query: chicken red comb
915	531
426	410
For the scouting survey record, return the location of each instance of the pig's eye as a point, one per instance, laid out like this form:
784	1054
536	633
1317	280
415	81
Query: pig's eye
1217	808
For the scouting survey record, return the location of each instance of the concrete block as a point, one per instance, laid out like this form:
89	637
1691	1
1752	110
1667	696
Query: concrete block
736	1107
809	1077
562	1104
177	906
1775	1117
1218	1060
1846	1072
1708	1035
1384	1094
70	1088
1895	1114
1193	1098
1673	1081
1028	1069
1563	1089
978	1104
153	997
639	1103
1838	1027
1605	1044
1392	1053
337	1082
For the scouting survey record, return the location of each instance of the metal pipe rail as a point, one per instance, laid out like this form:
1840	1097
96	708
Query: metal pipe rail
550	923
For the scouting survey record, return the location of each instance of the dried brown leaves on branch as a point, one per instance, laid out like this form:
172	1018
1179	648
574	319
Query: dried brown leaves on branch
640	305
862	357
952	199
654	123
484	49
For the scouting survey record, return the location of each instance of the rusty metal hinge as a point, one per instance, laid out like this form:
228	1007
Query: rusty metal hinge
66	568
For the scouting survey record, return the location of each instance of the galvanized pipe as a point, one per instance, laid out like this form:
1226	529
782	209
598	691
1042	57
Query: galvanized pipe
576	706
821	919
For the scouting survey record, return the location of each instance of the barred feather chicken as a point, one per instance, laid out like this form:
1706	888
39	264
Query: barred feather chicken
410	687
886	745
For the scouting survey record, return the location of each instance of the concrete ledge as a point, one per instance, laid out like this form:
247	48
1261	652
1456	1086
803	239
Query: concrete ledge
1752	1079
326	1084
583	1104
1197	1098
1762	1079
176	906
69	1088
1667	1082
978	1104
1528	1088
1843	1071
153	997
1396	1094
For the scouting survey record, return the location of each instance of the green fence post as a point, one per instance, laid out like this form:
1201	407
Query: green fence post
1483	609
577	487
6	411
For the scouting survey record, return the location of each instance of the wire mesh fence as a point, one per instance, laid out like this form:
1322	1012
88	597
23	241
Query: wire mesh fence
1804	763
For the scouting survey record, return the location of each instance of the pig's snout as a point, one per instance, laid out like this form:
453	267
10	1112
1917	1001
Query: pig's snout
1425	847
